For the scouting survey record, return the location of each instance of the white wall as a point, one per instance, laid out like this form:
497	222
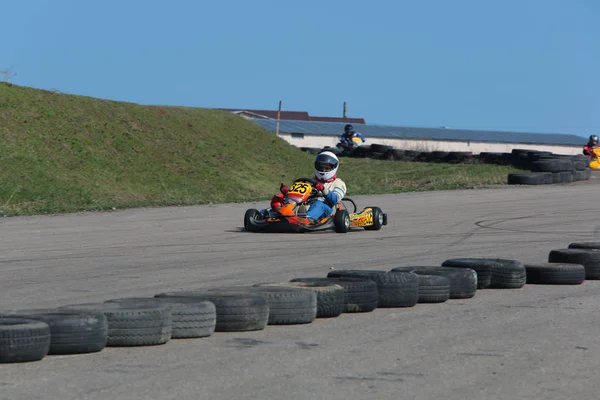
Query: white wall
433	145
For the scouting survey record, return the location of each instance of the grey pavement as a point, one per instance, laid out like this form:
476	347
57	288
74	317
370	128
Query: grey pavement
537	342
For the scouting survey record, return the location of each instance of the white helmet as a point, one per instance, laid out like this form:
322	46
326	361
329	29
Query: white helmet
326	165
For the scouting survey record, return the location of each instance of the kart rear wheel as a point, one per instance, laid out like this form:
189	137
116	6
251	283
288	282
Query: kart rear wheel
341	221
250	215
378	219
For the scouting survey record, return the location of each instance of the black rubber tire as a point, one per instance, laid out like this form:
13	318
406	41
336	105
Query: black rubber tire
548	165
463	281
585	245
482	266
433	288
287	306
236	312
508	274
377	219
341	221
580	163
555	274
360	295
190	317
578	176
72	332
330	296
380	148
589	258
250	214
133	324
567	176
438	156
396	289
587	174
311	150
23	340
556	177
530	178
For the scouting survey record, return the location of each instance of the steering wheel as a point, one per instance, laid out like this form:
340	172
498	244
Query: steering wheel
313	182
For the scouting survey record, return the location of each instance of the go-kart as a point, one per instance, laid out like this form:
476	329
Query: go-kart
595	161
349	146
291	217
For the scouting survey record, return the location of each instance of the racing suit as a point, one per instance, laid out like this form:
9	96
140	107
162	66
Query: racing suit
333	192
588	150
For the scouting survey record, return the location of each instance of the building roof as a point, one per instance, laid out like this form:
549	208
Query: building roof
339	119
294	115
403	132
288	115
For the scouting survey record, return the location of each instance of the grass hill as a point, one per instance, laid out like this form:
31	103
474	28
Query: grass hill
64	153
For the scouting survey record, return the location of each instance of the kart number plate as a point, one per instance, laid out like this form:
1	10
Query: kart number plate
299	188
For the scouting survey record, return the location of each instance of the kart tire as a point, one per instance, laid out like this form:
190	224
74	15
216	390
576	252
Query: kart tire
23	340
236	312
132	324
248	216
508	274
360	294
330	296
433	289
71	332
463	281
589	258
287	306
191	318
378	220
482	266
341	221
395	289
555	274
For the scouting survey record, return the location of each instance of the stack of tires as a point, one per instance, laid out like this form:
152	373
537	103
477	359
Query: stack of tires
548	168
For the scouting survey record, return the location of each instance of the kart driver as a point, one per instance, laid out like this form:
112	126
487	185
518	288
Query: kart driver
592	143
332	188
349	134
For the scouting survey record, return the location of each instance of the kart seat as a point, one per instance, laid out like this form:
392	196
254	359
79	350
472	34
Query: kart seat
302	209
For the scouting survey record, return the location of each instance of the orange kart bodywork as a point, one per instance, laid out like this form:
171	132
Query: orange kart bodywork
291	217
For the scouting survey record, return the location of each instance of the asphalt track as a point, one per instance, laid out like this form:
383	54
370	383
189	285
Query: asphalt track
536	342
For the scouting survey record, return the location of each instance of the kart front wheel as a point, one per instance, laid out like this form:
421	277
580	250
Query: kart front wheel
378	219
341	221
251	214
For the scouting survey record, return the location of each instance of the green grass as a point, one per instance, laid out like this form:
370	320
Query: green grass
66	153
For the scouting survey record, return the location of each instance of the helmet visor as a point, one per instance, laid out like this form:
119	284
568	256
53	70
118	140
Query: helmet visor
324	166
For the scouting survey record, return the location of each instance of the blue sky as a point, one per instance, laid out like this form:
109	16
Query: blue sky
522	65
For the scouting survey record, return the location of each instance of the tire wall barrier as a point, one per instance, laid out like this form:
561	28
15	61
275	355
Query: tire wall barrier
28	335
539	167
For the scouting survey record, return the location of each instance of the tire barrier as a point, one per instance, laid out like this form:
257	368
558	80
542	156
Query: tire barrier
28	335
548	168
540	167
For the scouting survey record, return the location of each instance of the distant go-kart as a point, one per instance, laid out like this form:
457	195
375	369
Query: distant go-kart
292	216
595	162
